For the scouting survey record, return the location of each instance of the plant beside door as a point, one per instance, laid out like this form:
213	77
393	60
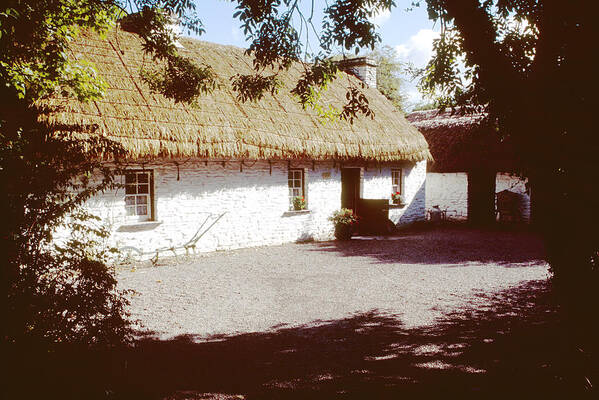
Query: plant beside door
344	221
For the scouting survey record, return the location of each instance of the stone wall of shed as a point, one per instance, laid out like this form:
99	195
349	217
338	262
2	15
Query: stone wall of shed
255	201
450	192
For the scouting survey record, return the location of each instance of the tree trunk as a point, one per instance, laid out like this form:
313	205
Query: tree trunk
481	197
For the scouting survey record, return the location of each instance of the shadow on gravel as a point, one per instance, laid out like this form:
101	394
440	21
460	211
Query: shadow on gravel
515	347
445	246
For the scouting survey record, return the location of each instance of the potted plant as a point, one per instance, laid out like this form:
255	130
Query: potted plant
344	221
397	198
299	203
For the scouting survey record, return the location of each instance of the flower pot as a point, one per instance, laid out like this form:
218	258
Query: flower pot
343	232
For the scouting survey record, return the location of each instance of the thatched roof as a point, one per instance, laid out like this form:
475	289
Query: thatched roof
150	125
460	143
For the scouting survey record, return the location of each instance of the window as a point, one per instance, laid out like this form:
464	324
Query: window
396	182
139	194
296	185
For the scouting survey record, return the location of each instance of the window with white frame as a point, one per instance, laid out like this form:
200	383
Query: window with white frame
138	194
396	185
295	179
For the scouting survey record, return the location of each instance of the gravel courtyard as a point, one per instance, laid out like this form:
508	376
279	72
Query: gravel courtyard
444	313
416	279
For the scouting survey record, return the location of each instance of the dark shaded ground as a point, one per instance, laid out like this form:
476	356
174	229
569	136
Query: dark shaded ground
449	244
515	347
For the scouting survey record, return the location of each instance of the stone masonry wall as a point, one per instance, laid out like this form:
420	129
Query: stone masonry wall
377	185
450	191
362	67
366	73
255	201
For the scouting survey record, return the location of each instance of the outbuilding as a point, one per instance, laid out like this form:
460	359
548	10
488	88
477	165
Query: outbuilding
471	167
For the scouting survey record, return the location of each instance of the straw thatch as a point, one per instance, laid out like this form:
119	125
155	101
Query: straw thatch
276	127
462	143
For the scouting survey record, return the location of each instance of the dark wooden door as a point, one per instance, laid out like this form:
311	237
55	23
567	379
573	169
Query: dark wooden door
350	188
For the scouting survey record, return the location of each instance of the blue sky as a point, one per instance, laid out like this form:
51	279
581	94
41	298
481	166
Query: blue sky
410	33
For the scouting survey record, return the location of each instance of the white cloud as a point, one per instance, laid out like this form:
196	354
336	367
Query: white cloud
418	49
413	96
380	16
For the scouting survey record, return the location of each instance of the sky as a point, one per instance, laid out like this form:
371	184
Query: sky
410	33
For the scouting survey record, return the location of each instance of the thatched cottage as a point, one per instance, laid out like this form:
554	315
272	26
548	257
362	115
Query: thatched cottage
246	159
471	166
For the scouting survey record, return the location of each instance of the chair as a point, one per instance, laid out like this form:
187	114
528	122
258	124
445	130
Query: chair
508	206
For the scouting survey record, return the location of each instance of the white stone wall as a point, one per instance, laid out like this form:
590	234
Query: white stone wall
377	184
255	201
414	191
450	192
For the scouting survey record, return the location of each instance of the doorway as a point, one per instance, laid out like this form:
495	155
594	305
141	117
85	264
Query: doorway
350	188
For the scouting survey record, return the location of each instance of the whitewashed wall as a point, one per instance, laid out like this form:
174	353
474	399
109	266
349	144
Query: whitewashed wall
255	200
377	185
450	191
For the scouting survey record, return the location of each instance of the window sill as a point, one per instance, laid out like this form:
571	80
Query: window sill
295	212
139	226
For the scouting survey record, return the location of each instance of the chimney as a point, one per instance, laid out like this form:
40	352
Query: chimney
362	67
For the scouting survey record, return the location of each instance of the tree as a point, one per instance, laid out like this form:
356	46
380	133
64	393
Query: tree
388	81
526	64
55	294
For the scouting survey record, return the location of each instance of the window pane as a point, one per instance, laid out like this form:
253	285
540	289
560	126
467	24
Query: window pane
129	200
142	210
142	199
142	189
130	210
130	178
142	178
130	189
295	182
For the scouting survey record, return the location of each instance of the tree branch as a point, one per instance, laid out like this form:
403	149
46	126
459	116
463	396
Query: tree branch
479	43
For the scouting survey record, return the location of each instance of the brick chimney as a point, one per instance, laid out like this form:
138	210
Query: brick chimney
362	67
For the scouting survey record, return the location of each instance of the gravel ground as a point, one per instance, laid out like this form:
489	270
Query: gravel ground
416	278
